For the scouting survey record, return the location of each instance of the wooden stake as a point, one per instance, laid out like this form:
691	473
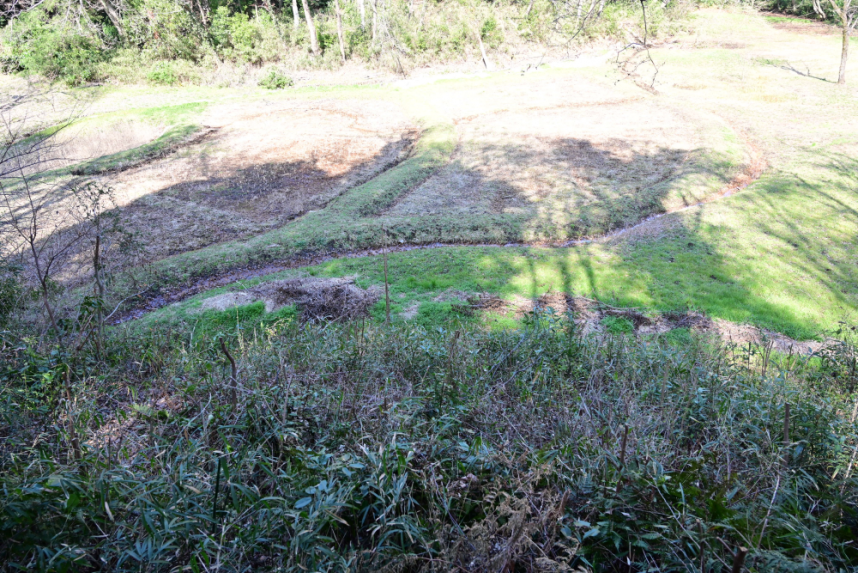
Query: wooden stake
623	448
386	284
739	559
233	374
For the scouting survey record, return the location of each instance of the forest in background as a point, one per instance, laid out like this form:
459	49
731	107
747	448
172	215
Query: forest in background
215	42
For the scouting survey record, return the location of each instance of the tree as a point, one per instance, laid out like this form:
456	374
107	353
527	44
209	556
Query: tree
22	156
296	17
114	15
53	226
340	30
314	40
848	15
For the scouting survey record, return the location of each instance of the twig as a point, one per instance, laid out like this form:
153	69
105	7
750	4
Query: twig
233	373
386	283
765	521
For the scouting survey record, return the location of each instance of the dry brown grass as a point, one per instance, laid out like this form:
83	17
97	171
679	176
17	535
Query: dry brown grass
253	167
318	299
258	168
80	143
565	155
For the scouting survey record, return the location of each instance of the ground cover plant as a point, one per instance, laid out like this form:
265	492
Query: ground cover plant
360	446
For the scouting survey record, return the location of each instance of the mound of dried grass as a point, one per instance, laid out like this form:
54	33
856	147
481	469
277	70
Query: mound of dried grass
320	299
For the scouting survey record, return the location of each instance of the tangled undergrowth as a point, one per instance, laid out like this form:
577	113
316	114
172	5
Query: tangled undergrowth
358	446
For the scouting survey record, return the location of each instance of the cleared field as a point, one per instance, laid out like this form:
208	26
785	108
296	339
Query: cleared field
780	254
571	151
247	168
576	170
256	167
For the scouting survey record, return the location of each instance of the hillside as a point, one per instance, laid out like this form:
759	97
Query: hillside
561	307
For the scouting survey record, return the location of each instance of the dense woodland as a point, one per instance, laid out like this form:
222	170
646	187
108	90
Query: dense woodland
170	42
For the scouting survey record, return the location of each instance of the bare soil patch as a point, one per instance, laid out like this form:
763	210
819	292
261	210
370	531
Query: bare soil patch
590	314
467	102
802	25
251	168
84	142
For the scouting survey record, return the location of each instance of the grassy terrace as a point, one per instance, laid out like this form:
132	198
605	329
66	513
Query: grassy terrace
779	254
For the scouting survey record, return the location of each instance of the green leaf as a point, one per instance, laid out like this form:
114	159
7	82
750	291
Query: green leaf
592	533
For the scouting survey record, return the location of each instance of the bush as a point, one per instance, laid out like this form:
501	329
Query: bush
37	45
10	291
334	445
162	73
239	38
275	80
166	31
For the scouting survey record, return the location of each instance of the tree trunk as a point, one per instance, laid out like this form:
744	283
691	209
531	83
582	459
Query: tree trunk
362	8
340	30
314	40
296	17
844	55
374	20
486	62
96	267
114	16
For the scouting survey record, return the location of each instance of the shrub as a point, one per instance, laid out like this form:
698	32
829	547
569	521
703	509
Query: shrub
242	39
10	291
38	45
275	80
162	73
490	33
165	31
618	325
330	445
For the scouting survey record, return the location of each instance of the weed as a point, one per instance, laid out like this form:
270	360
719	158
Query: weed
679	337
618	325
275	80
162	73
394	446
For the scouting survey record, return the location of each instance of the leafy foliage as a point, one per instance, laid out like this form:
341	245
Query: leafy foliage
276	80
10	291
79	44
162	73
356	446
39	45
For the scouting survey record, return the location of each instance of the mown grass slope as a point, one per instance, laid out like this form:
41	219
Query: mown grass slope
779	253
